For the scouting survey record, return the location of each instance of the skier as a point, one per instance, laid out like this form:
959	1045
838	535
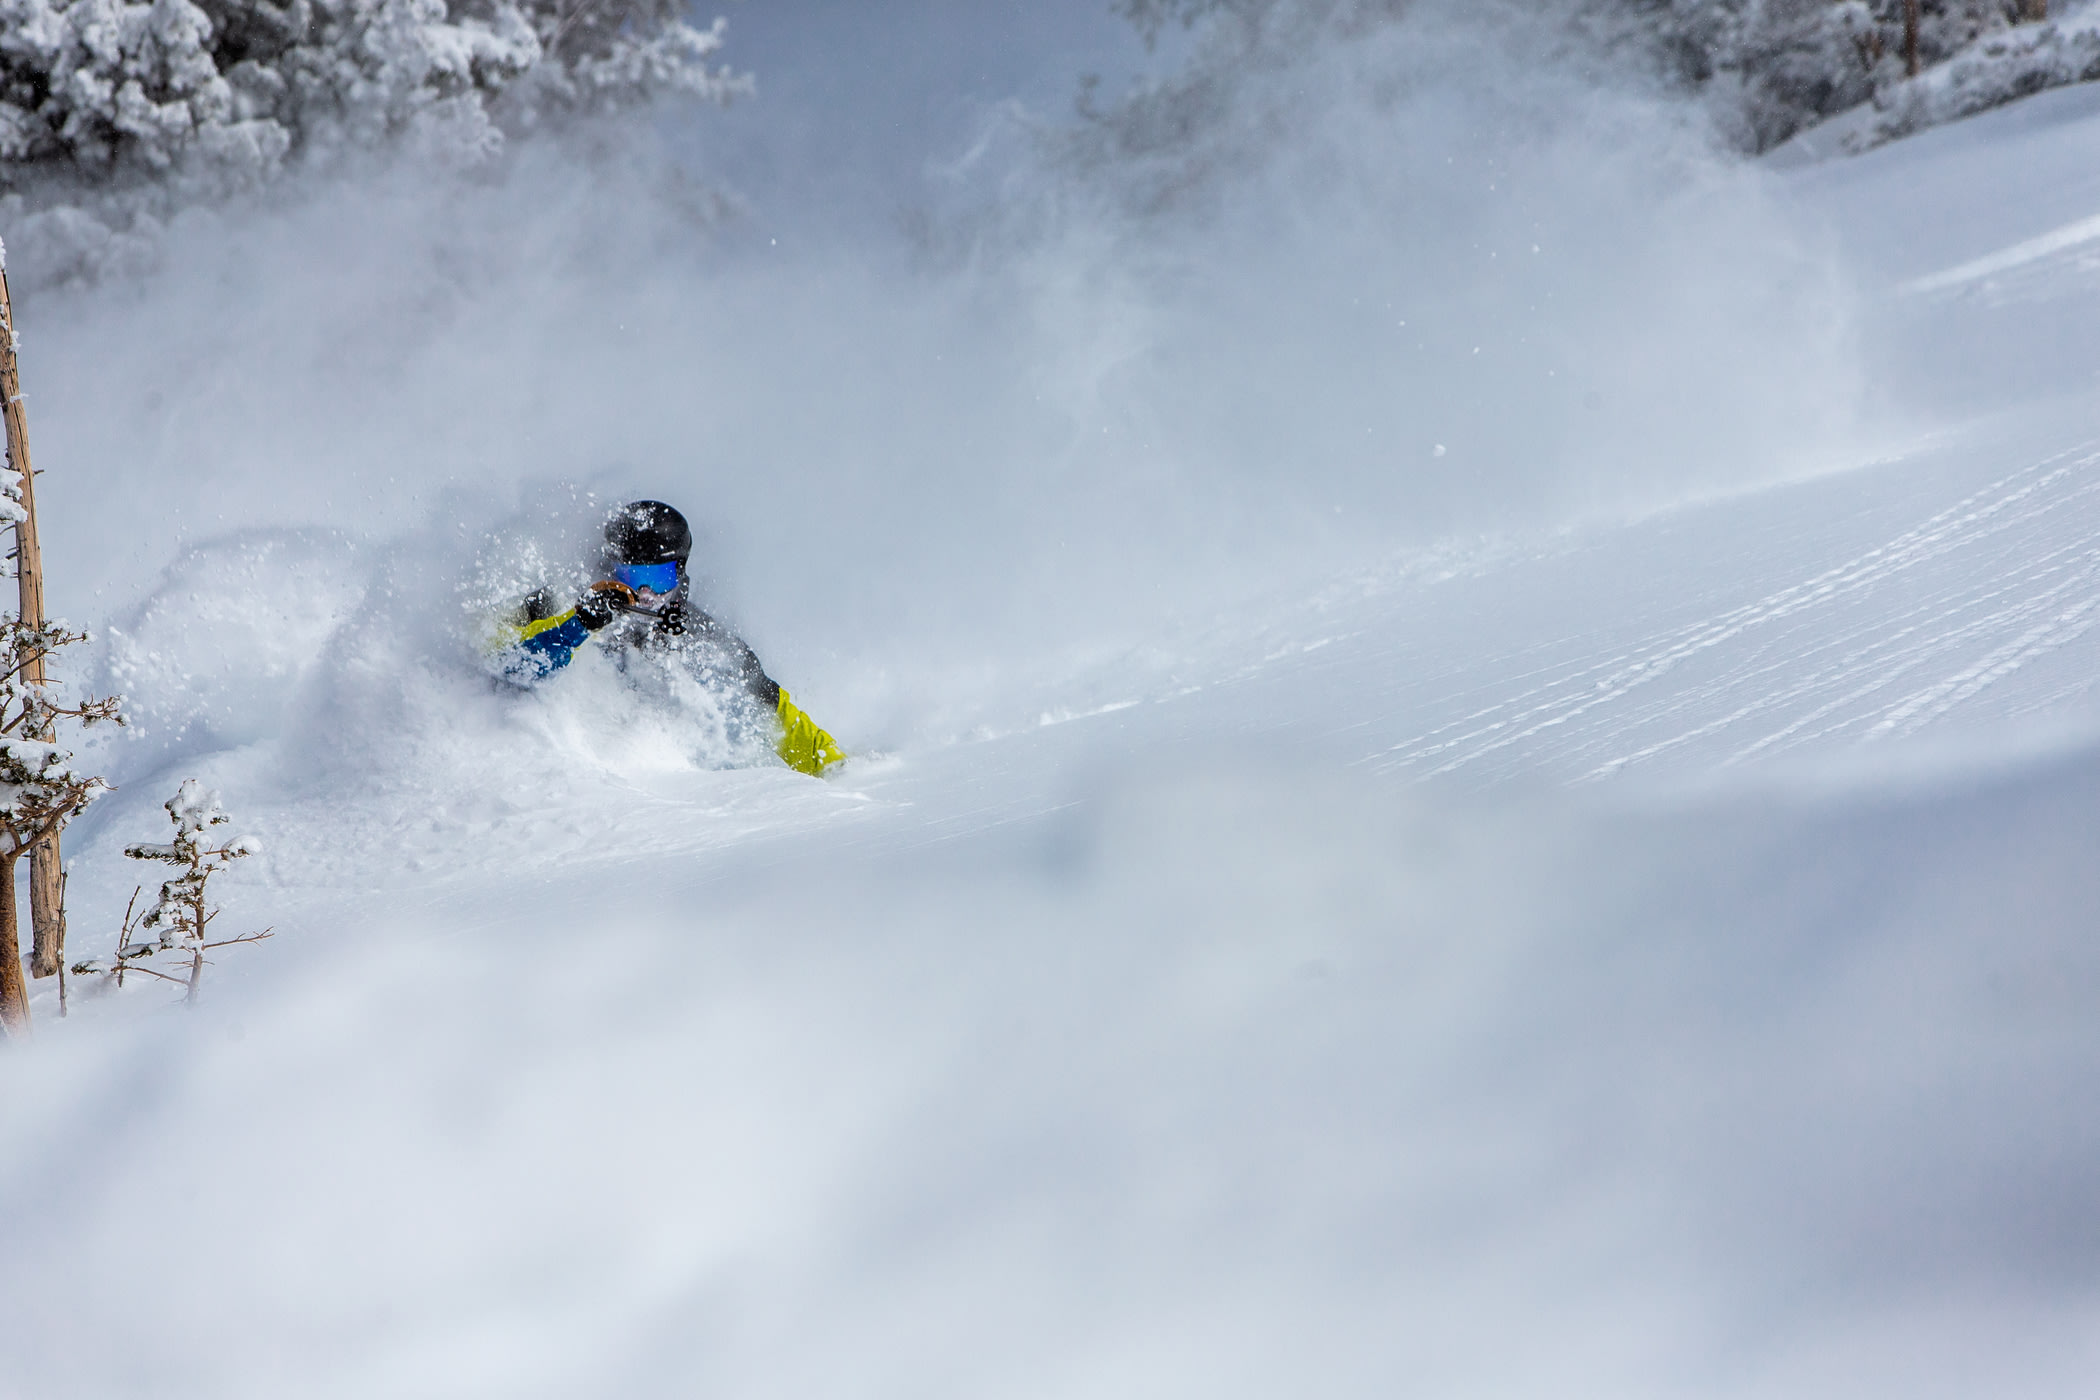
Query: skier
644	604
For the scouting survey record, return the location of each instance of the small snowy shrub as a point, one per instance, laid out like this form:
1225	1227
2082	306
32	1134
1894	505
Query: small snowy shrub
179	922
40	790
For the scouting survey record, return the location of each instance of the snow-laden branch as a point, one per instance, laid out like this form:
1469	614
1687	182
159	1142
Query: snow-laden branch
40	790
152	103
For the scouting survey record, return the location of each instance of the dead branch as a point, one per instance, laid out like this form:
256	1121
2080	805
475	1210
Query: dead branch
244	938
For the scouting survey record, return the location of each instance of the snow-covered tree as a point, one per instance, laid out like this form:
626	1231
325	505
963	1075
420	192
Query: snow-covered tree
111	110
1767	68
226	89
40	790
1774	67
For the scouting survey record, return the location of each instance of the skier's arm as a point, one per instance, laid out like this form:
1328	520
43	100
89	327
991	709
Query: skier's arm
802	746
682	619
534	650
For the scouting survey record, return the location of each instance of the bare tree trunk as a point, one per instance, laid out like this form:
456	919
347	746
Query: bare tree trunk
200	919
1910	38
47	908
2034	11
14	992
47	900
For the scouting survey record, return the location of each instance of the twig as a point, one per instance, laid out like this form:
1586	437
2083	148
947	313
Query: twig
156	972
124	935
244	938
64	876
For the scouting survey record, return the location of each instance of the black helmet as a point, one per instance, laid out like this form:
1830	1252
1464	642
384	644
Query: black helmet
648	532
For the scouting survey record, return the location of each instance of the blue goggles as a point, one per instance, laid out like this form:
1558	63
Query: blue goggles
657	578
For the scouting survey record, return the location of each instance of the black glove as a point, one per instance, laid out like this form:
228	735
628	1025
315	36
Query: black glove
603	603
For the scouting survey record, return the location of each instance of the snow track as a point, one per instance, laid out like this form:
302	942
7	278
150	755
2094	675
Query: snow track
2043	263
1940	617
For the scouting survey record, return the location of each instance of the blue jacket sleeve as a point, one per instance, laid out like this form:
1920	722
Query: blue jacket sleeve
539	649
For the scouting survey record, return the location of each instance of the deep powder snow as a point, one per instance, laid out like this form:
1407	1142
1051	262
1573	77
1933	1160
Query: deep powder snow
1295	924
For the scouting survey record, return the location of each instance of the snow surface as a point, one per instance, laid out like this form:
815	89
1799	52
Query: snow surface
1288	931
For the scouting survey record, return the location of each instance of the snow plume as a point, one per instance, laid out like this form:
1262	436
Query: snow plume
1450	276
321	673
1420	292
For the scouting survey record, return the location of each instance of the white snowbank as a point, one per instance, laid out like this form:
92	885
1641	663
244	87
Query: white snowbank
1220	1082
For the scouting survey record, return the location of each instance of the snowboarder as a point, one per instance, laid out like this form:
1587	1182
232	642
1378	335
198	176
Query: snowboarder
643	604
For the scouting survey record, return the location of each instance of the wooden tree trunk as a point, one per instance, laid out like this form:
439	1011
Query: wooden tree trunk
14	992
47	907
1910	38
47	901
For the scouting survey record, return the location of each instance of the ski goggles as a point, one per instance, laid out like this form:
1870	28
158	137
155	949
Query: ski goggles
657	578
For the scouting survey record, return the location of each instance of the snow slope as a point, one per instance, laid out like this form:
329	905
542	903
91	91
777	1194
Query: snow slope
1645	952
